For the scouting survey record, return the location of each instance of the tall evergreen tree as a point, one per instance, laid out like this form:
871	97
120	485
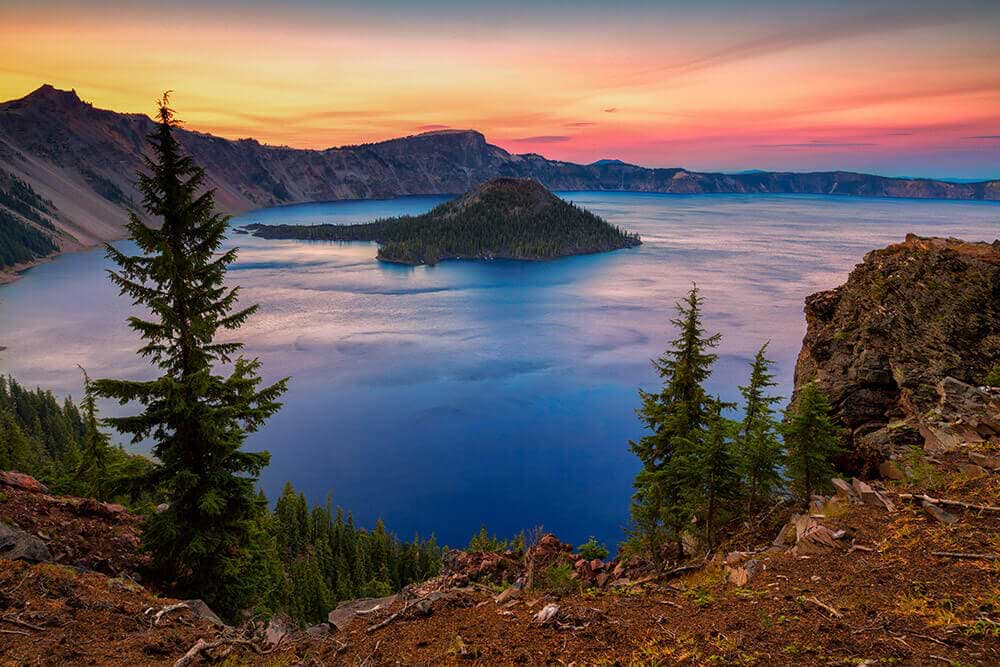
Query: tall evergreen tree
811	441
718	480
675	415
197	418
758	449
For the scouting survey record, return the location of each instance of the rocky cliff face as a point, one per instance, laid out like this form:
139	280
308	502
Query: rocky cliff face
85	159
882	345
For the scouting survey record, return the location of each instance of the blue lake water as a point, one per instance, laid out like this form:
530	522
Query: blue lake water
440	398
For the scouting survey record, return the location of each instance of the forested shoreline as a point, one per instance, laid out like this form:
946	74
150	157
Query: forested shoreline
502	219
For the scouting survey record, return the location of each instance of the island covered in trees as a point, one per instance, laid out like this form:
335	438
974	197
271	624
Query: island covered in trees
505	218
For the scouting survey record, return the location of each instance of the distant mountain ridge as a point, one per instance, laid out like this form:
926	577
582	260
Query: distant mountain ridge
84	160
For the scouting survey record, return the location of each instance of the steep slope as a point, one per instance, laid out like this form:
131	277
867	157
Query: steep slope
84	161
908	316
508	218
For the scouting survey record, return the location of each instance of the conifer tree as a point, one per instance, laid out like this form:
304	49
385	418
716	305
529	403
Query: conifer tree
811	442
197	418
718	480
675	415
92	468
758	450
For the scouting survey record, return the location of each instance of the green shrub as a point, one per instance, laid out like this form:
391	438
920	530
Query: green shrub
992	378
558	579
592	549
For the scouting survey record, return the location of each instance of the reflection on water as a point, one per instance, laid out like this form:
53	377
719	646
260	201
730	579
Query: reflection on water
496	392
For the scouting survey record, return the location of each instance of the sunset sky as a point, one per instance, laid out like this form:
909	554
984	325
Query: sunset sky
902	88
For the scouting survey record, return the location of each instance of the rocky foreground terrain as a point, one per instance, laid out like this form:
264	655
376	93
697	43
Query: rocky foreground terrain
900	568
84	161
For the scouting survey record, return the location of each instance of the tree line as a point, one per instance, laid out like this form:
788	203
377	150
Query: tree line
701	470
20	241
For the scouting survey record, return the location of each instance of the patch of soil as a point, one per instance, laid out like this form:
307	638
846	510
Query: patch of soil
79	532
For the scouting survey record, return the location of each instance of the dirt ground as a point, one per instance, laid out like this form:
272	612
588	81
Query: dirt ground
889	601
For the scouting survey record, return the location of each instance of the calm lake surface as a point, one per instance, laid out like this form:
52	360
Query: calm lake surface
440	398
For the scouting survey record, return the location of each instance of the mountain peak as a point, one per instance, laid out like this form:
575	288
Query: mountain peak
50	95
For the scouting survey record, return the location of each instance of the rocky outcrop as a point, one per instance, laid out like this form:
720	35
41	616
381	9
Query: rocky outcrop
83	160
880	345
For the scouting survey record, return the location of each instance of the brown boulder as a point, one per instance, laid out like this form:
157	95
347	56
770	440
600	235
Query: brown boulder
19	480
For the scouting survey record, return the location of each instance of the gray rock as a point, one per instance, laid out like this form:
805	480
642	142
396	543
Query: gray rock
18	545
939	514
204	612
341	617
318	630
985	460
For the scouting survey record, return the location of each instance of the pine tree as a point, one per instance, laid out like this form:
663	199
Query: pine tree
675	415
758	449
811	442
92	469
718	479
197	418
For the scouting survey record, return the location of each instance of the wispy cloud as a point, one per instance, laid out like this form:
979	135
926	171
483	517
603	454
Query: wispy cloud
432	127
579	124
611	110
985	136
542	139
818	144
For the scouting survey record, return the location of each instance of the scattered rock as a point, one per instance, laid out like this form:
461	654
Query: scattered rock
277	629
19	480
547	552
985	460
97	508
465	566
972	471
870	496
18	545
204	612
890	470
511	593
318	630
939	514
844	489
341	617
812	537
547	615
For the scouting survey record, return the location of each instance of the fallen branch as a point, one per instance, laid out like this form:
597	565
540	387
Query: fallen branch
821	605
166	610
945	501
859	547
365	612
676	570
956	554
372	654
15	632
201	646
667	602
390	619
23	624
